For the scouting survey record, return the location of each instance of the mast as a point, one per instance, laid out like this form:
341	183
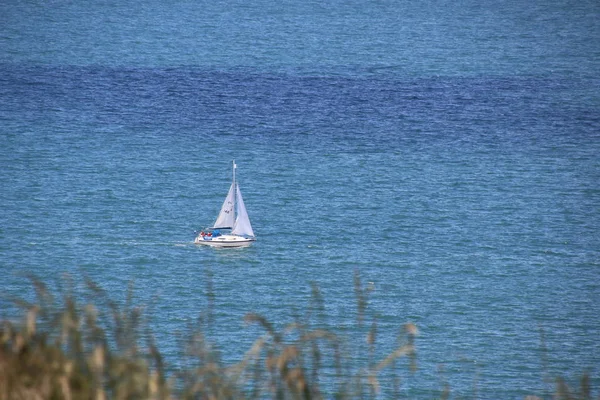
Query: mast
235	189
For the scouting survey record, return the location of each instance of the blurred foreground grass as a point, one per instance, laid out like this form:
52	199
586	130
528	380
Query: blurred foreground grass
67	349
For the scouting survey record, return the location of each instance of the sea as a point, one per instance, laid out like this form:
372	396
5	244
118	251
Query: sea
443	153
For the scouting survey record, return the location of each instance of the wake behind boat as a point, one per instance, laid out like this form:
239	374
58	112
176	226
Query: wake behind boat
232	227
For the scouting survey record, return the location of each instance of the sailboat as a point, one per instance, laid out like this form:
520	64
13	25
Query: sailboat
233	220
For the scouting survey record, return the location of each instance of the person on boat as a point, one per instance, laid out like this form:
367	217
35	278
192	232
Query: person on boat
216	233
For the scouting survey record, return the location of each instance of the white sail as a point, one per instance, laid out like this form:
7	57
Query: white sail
226	216
242	223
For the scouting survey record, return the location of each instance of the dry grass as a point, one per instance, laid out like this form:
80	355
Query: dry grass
64	349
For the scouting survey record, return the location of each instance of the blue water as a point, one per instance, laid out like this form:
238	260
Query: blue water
448	151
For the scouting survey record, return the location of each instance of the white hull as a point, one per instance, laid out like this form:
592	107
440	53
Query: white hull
224	241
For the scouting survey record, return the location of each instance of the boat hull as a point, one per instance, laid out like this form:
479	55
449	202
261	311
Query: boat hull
225	241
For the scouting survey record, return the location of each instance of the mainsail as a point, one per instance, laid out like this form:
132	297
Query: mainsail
242	223
226	217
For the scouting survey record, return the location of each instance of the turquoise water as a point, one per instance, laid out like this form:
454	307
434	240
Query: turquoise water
446	151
